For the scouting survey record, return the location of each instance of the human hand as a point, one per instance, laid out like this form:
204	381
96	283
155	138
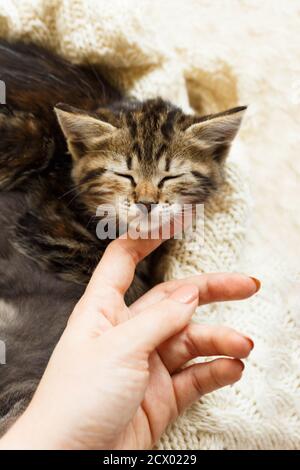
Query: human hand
114	378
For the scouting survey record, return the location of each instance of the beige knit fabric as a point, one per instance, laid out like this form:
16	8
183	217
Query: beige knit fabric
210	56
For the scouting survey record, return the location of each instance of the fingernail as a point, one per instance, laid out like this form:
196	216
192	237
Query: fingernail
185	295
251	342
257	283
240	363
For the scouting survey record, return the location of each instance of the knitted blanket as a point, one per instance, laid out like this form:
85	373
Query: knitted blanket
207	56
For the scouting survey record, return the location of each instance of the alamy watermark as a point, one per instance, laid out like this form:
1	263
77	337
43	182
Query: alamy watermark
2	92
149	221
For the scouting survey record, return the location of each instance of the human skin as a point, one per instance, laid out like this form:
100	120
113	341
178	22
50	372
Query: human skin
115	379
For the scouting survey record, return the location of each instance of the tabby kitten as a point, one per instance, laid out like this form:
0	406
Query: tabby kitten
58	163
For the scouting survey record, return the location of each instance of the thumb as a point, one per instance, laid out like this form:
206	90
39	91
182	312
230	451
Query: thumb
160	321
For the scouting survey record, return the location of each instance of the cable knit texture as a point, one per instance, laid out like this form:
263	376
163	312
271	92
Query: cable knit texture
208	56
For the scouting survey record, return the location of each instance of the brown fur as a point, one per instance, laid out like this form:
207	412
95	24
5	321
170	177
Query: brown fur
152	153
54	173
121	151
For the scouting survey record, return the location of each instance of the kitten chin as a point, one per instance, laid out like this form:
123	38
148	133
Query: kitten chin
143	221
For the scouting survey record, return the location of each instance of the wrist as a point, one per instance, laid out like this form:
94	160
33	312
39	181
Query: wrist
30	432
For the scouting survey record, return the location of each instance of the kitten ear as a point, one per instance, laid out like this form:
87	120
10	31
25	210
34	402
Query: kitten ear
82	131
216	132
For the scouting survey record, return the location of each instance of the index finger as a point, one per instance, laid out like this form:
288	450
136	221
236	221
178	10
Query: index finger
117	266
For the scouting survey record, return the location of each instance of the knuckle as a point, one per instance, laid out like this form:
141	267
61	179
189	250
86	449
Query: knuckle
204	289
215	375
190	340
166	288
133	254
197	382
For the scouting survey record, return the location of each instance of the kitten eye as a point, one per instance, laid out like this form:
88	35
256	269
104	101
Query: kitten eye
166	178
129	177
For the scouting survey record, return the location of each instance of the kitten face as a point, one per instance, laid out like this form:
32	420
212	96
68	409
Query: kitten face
151	153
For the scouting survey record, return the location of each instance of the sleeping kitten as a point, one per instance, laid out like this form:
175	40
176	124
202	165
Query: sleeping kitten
58	163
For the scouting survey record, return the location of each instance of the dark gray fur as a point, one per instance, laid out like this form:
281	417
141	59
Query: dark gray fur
35	306
46	206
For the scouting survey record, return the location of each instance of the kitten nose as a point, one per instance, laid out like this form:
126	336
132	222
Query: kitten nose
147	205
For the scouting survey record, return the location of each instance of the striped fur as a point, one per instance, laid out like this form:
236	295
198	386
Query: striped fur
101	147
55	172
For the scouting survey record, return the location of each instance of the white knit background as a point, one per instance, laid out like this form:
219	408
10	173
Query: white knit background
211	55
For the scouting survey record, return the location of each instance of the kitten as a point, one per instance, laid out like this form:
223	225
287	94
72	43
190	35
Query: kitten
58	163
